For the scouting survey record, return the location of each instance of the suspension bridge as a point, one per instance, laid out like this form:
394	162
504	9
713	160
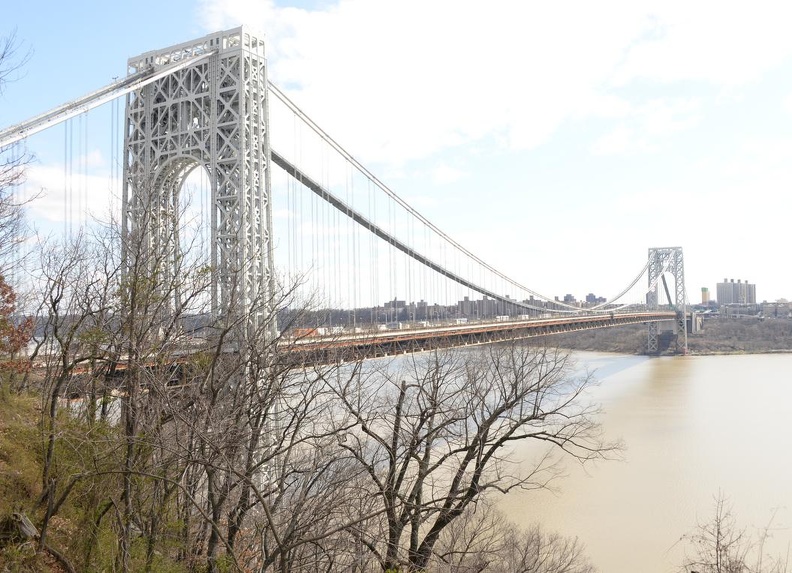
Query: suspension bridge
217	164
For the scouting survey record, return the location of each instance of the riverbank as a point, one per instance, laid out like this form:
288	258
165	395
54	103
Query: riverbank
718	336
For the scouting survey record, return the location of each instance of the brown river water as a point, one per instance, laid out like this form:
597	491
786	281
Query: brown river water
693	427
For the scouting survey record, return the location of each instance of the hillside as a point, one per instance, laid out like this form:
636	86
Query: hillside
20	475
719	336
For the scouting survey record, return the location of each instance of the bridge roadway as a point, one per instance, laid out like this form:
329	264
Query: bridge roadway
309	350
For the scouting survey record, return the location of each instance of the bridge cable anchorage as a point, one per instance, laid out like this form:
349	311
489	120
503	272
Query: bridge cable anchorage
94	99
330	141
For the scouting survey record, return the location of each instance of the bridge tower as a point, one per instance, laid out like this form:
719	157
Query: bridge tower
212	114
661	261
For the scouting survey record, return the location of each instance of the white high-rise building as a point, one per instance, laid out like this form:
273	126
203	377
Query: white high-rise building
730	292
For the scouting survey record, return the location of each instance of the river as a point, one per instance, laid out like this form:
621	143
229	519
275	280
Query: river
693	426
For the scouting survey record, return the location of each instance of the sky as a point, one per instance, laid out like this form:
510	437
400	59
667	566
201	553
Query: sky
558	141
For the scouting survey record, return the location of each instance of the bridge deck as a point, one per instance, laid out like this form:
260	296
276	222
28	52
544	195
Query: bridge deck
342	348
310	351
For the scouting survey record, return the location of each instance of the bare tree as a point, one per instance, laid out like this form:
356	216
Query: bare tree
482	540
13	160
161	292
75	309
432	436
14	334
12	60
106	326
219	428
264	453
719	545
11	208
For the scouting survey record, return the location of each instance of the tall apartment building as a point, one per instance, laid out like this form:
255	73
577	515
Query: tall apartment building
730	292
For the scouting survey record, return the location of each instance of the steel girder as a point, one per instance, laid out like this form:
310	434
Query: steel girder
212	115
667	260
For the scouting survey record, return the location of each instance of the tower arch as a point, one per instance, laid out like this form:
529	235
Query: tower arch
213	113
667	261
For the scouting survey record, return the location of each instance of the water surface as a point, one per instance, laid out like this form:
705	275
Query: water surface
693	427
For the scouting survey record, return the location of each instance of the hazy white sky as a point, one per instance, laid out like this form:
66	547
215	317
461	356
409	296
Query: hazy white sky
557	140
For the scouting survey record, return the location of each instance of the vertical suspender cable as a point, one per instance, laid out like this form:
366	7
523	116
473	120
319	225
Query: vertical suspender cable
374	255
111	182
65	180
392	277
296	213
350	269
353	262
83	207
289	215
410	262
312	252
301	262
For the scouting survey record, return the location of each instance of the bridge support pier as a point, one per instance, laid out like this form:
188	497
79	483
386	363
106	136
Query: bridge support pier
662	261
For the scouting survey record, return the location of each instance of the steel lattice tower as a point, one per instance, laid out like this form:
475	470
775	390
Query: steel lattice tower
662	261
212	114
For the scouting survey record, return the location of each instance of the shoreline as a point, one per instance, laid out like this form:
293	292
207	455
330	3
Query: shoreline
718	337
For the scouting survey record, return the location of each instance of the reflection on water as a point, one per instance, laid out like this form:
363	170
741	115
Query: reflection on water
692	427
